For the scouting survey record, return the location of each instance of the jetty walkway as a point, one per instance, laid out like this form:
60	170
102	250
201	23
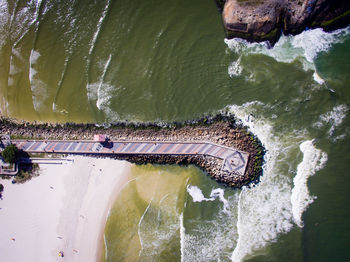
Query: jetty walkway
234	161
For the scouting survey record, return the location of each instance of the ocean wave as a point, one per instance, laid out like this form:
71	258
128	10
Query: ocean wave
313	160
304	47
265	211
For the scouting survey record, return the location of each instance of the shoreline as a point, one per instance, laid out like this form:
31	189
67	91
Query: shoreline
221	129
112	199
65	209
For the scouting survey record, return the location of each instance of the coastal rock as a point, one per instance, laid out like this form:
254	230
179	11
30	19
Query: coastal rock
260	20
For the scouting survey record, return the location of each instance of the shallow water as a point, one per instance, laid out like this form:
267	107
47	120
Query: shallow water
161	61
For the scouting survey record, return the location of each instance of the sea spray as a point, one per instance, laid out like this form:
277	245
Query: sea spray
313	160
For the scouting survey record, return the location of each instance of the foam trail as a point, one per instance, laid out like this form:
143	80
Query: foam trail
182	236
99	26
313	160
139	226
99	101
59	85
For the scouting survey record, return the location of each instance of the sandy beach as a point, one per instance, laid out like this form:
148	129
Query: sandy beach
64	209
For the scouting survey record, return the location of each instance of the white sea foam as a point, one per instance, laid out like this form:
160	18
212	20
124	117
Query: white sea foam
217	193
334	118
235	69
38	87
304	47
197	194
265	211
313	160
182	236
220	193
317	78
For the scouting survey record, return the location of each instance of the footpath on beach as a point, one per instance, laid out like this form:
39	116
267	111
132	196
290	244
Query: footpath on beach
233	160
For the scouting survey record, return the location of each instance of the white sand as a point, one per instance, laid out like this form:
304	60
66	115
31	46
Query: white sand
70	216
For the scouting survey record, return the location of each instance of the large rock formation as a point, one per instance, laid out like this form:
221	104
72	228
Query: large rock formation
260	20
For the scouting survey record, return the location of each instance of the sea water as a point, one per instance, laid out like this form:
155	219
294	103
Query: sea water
104	61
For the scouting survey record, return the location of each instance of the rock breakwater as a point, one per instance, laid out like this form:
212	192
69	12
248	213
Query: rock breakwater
219	129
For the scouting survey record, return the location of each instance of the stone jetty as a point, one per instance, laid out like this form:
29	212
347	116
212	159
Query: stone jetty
216	144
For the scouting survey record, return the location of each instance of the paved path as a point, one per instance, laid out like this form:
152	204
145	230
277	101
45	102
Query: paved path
233	160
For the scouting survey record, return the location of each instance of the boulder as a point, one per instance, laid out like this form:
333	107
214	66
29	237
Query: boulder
260	20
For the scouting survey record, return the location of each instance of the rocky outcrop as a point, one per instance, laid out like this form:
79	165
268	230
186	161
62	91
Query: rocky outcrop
260	20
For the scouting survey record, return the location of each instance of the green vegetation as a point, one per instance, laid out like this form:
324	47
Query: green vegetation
10	153
336	19
26	172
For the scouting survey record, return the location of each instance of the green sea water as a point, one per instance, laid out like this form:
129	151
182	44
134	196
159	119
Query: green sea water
108	60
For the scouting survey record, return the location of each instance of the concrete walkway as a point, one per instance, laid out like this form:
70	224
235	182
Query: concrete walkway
233	159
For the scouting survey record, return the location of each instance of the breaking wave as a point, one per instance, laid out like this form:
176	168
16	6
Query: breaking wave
313	160
266	210
102	92
304	47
